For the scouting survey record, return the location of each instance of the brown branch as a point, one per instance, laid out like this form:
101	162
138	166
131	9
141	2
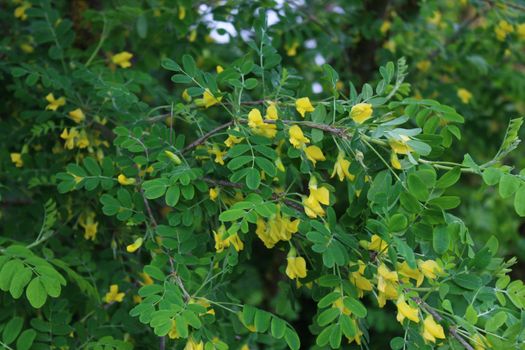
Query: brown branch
204	137
452	329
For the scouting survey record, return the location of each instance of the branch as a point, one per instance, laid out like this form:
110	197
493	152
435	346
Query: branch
204	137
452	329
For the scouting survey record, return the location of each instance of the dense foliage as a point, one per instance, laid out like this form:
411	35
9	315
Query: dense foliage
261	175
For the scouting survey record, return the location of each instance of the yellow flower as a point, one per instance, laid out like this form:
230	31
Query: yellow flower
232	140
464	95
20	11
87	221
17	159
386	284
296	267
258	126
503	29
406	311
245	347
390	45
173	333
377	244
218	154
394	161
125	181
214	193
361	112
435	19
113	295
193	36
314	154
408	272
432	330
303	105
77	115
297	138
318	196
173	157
186	96
69	137
208	99
423	65
358	280
193	345
341	168
132	248
358	334
292	49
271	112
122	59
182	12
219	69
54	104
430	269
82	141
400	146
385	27
146	279
27	48
279	228
339	304
232	239
520	30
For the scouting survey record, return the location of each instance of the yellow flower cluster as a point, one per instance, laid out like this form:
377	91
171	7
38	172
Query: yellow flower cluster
54	103
113	295
257	124
122	59
464	95
221	242
318	196
296	267
87	221
73	137
503	29
278	228
17	159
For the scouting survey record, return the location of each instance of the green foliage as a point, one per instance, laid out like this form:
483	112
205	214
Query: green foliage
328	166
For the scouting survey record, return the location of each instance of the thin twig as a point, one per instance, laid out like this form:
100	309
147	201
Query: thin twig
452	329
204	137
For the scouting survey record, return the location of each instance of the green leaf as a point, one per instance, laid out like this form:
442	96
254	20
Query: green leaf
253	179
335	337
519	201
265	165
19	281
250	83
278	327
441	239
142	26
232	214
327	316
8	271
508	185
154	188
354	305
417	188
154	272
36	293
471	282
92	166
348	326
449	178
170	64
172	195
262	320
26	339
292	339
12	329
491	176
